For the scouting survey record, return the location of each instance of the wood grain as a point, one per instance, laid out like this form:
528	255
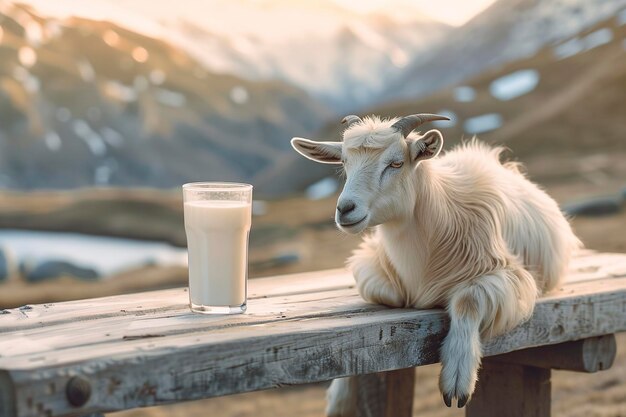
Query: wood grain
587	355
165	300
510	390
7	395
587	266
386	394
148	349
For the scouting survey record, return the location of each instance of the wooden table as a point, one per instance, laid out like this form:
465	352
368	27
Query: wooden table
136	350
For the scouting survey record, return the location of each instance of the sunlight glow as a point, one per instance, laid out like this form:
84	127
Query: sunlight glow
452	12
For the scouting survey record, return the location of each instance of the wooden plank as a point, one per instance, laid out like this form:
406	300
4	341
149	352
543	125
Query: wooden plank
206	368
386	394
151	371
587	355
321	336
152	302
7	395
115	329
602	302
511	390
159	325
587	266
176	322
590	266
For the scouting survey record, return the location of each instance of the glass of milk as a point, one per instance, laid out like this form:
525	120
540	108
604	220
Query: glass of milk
218	216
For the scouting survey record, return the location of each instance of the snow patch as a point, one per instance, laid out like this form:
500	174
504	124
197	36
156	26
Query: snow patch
598	38
259	207
170	98
140	54
111	38
483	123
464	94
30	83
515	84
27	56
621	17
52	141
53	29
119	91
33	32
446	123
86	70
102	175
157	77
322	189
93	140
576	45
239	95
112	137
398	57
569	48
107	255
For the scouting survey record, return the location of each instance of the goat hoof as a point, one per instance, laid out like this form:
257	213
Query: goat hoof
447	399
462	401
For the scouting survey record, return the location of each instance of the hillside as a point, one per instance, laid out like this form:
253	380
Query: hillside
506	31
85	102
568	127
321	46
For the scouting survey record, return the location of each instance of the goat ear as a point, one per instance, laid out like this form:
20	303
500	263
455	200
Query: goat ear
427	146
324	152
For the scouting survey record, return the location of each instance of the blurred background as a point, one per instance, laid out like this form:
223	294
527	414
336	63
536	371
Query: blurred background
107	107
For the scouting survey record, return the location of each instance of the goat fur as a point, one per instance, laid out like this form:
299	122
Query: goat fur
478	238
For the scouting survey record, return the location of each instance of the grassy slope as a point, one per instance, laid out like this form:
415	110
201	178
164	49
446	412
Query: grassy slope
577	107
570	129
207	136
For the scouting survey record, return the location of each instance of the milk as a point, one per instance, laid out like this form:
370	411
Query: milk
217	241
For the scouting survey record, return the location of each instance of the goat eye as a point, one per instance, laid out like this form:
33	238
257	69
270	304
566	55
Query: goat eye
396	164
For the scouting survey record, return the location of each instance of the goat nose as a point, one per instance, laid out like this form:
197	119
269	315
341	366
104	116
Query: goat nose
346	207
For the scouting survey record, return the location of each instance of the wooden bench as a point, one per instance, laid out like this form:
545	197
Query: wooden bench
117	353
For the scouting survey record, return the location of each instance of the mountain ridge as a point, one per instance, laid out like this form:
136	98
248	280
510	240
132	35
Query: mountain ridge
507	30
90	103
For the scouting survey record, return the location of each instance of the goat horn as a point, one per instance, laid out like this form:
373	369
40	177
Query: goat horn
409	123
351	119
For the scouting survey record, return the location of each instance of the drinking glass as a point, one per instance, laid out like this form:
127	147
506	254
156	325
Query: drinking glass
218	217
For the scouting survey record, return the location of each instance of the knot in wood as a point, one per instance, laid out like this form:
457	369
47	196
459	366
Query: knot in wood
78	391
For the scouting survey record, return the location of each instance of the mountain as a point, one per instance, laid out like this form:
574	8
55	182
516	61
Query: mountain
342	56
86	102
346	68
506	31
560	111
565	103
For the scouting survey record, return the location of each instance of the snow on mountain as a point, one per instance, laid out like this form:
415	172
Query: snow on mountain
342	56
506	31
86	102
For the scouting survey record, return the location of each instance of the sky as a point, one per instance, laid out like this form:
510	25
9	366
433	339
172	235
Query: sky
452	12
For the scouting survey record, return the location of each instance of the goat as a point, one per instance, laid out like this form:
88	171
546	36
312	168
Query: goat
463	231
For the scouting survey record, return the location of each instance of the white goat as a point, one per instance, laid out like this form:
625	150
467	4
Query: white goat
463	231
